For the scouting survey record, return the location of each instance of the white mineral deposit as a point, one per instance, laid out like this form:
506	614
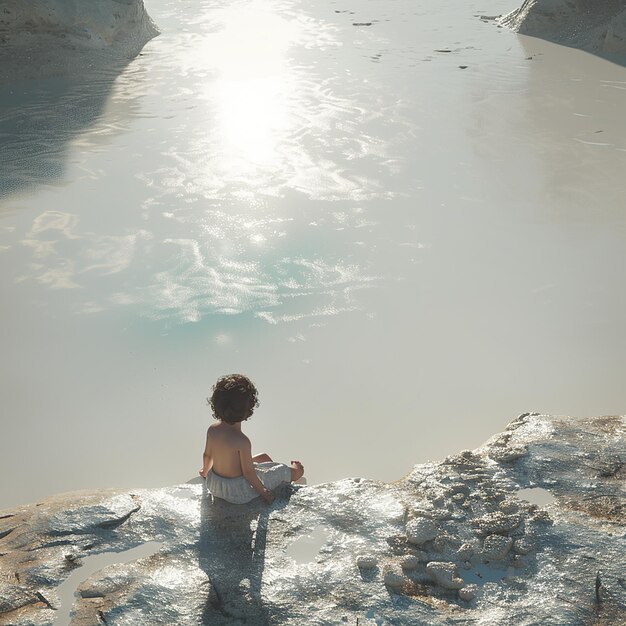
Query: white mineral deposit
403	220
420	530
570	573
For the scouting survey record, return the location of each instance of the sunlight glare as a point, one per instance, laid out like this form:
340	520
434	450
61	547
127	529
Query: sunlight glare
254	83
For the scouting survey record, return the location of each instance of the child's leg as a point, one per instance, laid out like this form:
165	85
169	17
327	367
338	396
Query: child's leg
262	458
297	471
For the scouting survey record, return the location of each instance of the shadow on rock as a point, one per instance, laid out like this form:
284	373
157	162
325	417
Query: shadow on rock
231	551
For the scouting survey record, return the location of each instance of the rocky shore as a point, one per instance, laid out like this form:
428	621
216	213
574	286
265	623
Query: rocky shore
451	543
598	27
42	38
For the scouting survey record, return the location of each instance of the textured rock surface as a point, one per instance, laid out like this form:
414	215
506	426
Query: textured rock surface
366	562
60	37
496	547
223	564
445	574
587	24
420	530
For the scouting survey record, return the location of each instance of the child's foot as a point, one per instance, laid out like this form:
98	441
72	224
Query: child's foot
297	471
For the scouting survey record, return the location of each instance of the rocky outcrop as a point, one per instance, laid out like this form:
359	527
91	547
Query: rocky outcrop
59	37
598	27
485	556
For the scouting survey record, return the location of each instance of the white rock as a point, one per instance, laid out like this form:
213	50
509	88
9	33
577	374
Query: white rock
509	506
496	523
420	530
496	547
395	580
523	546
468	592
445	574
602	29
171	588
507	454
94	24
59	37
366	561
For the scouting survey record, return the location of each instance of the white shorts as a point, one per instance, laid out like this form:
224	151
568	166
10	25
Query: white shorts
239	490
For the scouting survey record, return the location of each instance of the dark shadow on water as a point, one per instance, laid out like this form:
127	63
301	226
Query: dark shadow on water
526	41
231	551
40	117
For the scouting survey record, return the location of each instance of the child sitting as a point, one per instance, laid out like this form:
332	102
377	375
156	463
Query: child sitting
231	472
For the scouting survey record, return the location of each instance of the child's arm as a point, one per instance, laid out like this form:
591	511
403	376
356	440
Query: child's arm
207	458
247	468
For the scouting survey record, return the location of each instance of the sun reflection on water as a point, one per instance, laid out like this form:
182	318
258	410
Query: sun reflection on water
254	83
235	131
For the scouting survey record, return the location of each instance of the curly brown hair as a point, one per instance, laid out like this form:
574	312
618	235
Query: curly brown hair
234	398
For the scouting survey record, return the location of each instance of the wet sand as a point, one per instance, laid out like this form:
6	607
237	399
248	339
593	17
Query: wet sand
405	232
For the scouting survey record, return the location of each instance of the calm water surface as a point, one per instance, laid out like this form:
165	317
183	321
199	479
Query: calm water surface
404	223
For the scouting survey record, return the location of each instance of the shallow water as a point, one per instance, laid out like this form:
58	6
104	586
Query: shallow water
67	590
536	495
403	254
306	548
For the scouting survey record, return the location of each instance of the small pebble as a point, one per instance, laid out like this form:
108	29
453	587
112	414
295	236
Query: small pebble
420	530
366	561
394	580
468	592
523	546
409	562
445	574
496	547
509	506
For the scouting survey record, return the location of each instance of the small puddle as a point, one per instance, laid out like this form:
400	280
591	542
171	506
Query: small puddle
90	565
305	549
536	495
187	494
482	573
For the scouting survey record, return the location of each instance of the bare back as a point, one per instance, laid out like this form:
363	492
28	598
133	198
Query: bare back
225	442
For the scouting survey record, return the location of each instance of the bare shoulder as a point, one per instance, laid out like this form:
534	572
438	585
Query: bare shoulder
228	436
236	439
242	440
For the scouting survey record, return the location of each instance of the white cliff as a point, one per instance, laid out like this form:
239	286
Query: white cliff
452	543
58	37
592	25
